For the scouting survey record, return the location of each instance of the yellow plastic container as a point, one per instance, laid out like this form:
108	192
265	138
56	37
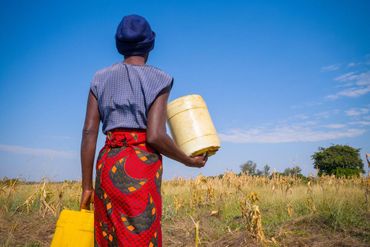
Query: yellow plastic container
74	229
191	126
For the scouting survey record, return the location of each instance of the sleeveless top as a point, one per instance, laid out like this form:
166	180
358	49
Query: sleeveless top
125	93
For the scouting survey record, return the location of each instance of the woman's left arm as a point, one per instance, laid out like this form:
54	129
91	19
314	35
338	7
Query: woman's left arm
88	146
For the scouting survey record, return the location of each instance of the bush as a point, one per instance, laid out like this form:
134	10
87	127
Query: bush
346	172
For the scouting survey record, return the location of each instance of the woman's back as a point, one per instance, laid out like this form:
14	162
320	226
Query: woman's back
125	97
125	93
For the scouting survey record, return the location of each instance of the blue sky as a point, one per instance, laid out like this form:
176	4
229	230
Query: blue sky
280	78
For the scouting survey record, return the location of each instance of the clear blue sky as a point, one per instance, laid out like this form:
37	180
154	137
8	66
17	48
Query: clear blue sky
280	78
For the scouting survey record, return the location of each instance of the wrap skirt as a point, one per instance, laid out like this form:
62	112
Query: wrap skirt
127	197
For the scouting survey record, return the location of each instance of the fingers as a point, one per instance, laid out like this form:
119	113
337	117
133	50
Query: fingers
200	165
85	203
205	156
84	206
199	161
87	198
196	163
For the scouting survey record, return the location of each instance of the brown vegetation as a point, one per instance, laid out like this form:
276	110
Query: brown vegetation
229	210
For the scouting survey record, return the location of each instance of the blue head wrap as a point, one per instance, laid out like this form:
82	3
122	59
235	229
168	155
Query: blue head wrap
134	36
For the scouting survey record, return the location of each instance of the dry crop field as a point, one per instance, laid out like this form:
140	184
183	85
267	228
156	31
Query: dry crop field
228	210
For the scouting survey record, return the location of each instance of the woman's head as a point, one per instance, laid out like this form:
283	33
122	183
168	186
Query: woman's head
134	36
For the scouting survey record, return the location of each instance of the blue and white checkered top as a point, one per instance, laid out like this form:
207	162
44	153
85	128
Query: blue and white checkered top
125	93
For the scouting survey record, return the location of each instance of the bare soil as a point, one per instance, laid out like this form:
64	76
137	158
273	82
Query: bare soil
34	230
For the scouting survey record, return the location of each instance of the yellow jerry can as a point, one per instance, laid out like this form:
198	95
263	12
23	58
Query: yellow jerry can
191	125
74	229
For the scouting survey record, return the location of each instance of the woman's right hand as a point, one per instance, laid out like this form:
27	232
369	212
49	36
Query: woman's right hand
87	197
198	161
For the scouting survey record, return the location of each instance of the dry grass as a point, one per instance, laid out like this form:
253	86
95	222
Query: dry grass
229	210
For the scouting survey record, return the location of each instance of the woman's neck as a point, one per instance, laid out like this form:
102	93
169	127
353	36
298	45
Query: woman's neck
136	60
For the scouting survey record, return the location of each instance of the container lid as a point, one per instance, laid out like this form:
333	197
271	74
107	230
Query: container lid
185	103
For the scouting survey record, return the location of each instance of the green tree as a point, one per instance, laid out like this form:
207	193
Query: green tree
294	171
259	173
249	167
266	170
339	160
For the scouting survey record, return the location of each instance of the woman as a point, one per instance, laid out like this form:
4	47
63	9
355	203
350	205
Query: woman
130	100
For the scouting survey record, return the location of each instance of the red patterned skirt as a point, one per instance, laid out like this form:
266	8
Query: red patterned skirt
128	203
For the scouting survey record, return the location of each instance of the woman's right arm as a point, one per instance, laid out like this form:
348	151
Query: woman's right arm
158	138
88	146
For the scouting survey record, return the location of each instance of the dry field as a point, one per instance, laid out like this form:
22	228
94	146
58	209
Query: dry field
228	210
